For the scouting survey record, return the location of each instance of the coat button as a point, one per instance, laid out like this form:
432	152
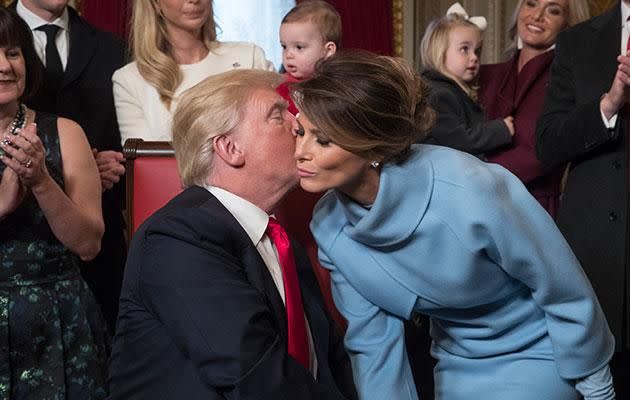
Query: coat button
612	216
616	164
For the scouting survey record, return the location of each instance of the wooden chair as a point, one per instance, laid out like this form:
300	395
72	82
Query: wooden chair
152	179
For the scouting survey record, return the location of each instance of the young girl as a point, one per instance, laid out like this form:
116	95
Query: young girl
450	51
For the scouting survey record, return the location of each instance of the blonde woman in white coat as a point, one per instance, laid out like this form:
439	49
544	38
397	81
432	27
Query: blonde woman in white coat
174	47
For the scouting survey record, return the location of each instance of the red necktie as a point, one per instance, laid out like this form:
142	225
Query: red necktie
297	341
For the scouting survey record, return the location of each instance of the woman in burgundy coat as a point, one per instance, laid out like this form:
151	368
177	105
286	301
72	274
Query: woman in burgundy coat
517	87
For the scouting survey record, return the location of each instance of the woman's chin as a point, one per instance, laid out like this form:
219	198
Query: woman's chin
310	187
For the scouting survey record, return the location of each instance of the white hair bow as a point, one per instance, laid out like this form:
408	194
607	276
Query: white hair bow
458	9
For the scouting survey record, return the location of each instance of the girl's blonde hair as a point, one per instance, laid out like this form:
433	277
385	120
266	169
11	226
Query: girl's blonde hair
578	12
151	50
435	44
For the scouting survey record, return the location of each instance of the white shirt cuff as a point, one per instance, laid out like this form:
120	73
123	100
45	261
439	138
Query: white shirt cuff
597	386
609	123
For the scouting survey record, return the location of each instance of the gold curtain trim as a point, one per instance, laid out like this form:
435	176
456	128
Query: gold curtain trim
398	28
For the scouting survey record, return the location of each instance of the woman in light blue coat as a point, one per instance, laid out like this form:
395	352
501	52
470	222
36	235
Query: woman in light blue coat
417	228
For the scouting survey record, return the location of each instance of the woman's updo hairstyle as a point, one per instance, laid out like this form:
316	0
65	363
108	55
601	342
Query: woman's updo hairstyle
373	106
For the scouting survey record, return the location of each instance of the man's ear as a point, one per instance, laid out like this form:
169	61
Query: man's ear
331	48
227	148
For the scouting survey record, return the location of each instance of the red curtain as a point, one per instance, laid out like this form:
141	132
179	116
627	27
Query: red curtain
366	24
108	15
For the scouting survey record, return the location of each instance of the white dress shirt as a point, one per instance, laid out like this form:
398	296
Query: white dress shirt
254	221
39	38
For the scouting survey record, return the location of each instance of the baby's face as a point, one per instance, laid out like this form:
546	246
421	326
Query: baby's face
302	46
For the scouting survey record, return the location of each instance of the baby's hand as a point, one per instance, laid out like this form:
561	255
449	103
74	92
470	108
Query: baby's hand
509	121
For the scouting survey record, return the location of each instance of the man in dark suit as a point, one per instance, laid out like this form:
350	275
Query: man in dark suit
202	310
79	62
585	122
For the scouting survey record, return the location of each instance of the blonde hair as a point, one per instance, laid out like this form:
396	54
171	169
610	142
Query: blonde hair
322	15
212	108
435	43
579	11
151	50
372	106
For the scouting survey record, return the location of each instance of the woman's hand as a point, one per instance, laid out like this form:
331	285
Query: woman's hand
11	192
27	156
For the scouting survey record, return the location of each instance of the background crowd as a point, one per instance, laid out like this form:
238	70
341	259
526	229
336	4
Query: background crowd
509	262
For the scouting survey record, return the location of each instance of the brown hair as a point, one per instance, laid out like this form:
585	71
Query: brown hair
209	109
15	32
320	13
435	43
373	106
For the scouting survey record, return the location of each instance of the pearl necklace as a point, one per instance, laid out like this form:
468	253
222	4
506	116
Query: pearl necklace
19	122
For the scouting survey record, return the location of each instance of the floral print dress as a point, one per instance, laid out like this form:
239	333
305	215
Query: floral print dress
53	341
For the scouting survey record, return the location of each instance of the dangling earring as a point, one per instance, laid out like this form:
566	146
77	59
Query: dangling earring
375	164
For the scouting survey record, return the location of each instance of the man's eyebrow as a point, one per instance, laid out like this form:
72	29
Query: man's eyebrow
279	105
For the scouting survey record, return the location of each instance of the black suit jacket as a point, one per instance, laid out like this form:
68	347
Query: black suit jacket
86	97
201	318
594	209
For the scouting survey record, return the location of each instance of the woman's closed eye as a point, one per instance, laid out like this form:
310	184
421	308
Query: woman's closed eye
323	141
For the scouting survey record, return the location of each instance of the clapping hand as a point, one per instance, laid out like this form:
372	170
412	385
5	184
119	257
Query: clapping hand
25	154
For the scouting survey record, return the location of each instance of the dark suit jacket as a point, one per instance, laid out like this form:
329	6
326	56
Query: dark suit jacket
201	318
503	91
594	209
461	123
86	97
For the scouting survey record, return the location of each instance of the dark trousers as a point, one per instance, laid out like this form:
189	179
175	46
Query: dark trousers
620	368
418	343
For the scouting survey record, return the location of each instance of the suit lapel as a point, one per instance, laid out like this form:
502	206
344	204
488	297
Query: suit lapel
83	46
253	265
531	73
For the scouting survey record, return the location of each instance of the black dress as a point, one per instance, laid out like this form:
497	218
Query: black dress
53	340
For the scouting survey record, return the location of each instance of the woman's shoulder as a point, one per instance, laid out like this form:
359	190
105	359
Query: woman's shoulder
127	72
245	48
241	54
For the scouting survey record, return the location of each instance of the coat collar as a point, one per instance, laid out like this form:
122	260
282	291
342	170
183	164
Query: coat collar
385	225
531	73
237	242
258	273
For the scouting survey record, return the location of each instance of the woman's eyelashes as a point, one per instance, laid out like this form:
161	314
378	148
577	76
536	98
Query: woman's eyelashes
323	141
320	139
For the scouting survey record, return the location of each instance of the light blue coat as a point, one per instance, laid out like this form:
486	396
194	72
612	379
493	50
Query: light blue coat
513	314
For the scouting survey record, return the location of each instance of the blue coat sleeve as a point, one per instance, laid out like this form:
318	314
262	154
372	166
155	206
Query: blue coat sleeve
524	241
375	341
